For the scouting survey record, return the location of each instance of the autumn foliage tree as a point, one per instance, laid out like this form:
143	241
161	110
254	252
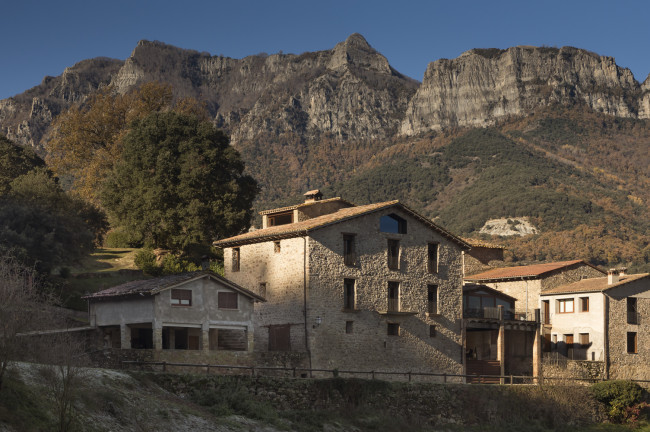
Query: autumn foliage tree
87	138
178	183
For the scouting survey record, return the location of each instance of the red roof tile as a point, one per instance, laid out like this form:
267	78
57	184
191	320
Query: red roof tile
593	285
529	271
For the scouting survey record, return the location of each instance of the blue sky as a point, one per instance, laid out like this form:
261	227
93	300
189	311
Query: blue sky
39	38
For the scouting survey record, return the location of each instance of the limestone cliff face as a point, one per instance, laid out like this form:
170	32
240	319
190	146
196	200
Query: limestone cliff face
350	91
26	118
483	85
644	100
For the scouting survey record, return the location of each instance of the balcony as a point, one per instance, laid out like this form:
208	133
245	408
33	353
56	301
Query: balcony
488	313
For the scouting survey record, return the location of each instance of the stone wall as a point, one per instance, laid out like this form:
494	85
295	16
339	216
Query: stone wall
569	275
624	365
557	366
480	259
366	345
283	275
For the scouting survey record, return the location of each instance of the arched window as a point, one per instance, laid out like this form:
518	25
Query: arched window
392	224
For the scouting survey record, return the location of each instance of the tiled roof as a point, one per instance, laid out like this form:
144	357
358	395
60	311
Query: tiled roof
302	228
593	285
305	204
155	285
530	271
481	243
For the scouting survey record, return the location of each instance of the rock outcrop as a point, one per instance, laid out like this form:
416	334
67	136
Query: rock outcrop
644	99
483	85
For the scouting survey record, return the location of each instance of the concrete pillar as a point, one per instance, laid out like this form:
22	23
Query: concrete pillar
172	338
501	344
205	337
125	336
157	336
537	354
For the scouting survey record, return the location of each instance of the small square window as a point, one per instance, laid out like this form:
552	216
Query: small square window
181	297
565	305
349	327
432	331
276	246
227	300
584	340
393	329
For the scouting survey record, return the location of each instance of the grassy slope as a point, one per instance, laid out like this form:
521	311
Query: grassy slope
117	401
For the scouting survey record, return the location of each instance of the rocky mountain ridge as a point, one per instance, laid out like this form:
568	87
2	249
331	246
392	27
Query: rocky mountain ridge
349	92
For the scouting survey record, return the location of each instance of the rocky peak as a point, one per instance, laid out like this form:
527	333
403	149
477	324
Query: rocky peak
482	85
355	52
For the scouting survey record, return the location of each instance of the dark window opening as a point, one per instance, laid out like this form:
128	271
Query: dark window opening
393	254
631	343
432	258
393	329
432	299
392	224
632	312
393	296
432	331
230	339
280	337
235	259
276	246
280	219
181	297
227	300
349	327
584	304
349	253
348	294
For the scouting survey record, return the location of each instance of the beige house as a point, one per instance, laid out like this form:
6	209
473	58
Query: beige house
527	283
198	311
602	319
373	287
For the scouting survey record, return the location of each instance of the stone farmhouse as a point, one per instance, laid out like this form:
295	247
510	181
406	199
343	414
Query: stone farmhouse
604	319
526	283
198	311
372	287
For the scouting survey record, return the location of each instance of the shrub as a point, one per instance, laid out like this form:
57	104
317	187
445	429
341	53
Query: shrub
618	395
172	264
122	239
145	260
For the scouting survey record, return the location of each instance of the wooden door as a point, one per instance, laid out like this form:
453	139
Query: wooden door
546	319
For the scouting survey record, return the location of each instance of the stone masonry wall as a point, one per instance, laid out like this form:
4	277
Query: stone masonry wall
567	276
283	273
624	365
368	346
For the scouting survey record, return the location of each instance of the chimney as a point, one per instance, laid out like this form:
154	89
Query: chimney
313	196
612	276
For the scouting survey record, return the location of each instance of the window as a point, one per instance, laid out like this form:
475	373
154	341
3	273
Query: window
432	331
584	304
546	312
432	258
393	296
262	289
227	300
584	340
349	327
565	306
280	337
631	343
432	299
181	297
393	329
349	253
393	254
280	219
276	246
348	294
632	315
235	259
392	224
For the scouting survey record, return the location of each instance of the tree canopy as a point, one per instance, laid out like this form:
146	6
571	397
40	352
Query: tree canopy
86	138
178	183
15	161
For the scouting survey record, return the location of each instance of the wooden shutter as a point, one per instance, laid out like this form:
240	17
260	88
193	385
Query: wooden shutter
227	300
280	337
